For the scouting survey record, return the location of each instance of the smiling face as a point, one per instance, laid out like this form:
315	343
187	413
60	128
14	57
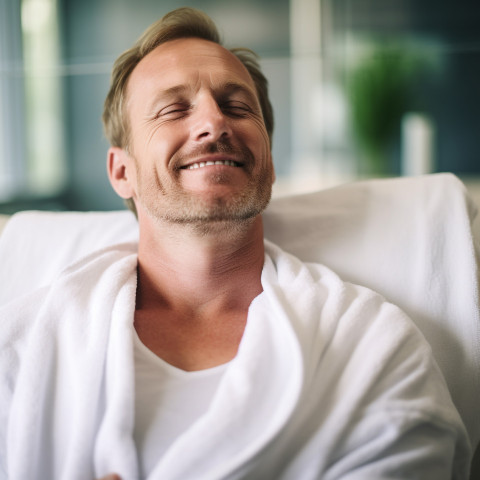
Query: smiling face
199	151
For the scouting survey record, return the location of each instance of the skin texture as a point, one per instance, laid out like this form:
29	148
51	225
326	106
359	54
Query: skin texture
191	101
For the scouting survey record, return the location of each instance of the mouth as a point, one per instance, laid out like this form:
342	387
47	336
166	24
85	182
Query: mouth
208	163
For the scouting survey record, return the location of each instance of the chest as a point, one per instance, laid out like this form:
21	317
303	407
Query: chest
189	342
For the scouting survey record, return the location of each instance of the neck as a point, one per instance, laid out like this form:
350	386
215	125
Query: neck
192	270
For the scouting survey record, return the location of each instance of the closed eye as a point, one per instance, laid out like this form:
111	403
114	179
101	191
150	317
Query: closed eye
175	110
236	108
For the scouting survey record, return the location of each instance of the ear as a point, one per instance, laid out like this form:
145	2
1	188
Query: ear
121	172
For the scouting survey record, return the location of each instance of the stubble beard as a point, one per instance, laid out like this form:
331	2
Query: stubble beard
174	205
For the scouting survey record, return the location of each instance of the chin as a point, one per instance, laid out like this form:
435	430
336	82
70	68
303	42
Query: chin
188	208
198	211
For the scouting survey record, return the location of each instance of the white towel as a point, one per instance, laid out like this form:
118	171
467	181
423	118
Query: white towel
54	350
411	240
329	381
36	246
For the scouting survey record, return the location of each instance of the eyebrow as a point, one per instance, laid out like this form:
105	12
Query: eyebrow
233	87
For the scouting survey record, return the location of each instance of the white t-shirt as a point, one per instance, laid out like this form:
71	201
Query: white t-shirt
168	401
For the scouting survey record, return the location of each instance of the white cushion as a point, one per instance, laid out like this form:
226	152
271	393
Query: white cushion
410	239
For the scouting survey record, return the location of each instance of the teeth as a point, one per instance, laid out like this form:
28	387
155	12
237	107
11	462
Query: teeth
228	163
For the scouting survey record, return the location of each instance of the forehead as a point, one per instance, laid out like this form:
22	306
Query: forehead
187	59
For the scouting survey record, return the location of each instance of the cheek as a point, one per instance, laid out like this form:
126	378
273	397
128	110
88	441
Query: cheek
159	145
260	142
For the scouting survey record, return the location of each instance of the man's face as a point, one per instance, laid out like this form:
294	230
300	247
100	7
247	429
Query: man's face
197	135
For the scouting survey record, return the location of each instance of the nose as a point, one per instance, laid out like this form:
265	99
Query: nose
211	123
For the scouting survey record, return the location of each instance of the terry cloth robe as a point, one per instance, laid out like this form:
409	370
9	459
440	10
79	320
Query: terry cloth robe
330	382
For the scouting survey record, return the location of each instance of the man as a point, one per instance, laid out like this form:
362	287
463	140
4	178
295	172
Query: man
207	352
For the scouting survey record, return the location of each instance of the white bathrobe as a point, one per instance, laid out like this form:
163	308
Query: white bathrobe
329	382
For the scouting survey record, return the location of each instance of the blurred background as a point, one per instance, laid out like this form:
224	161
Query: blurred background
361	89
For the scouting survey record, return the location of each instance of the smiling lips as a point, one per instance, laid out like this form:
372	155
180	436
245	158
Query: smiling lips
228	163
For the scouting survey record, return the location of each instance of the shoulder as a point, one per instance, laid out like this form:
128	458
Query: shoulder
37	318
367	366
338	301
350	329
105	269
117	257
